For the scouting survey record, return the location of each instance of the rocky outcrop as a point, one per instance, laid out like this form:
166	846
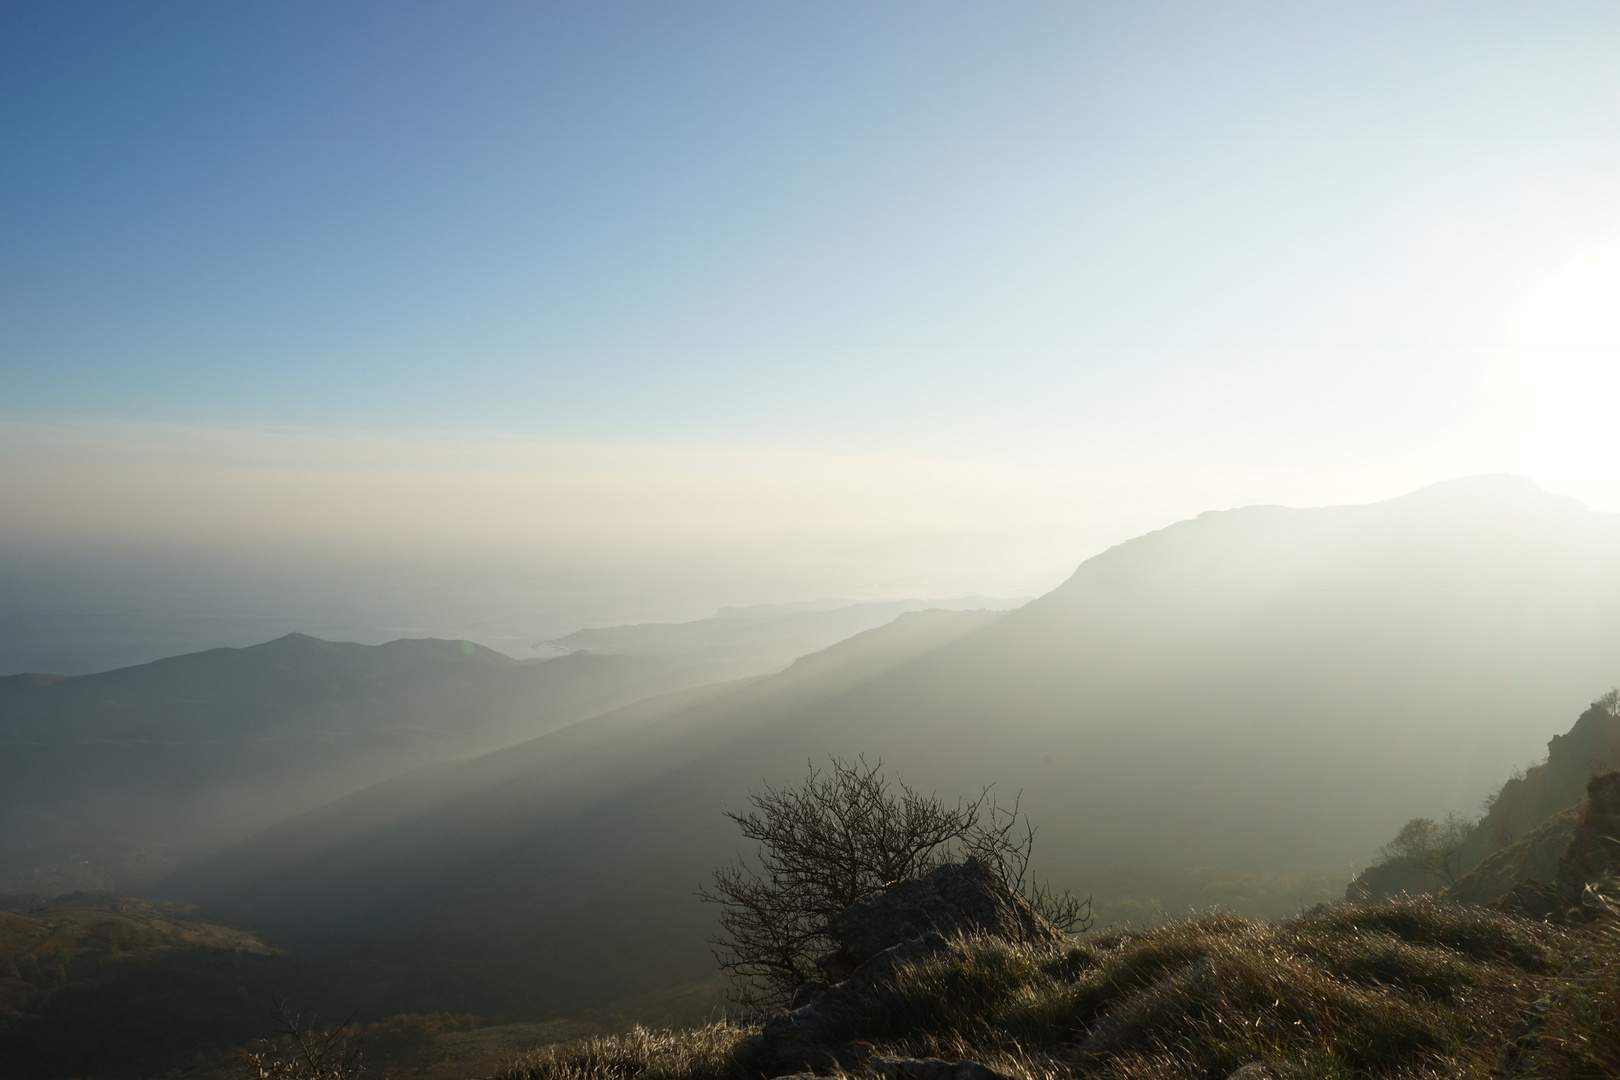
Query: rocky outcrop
1591	746
907	922
816	1022
1532	859
1396	877
1590	861
951	900
1594	852
1526	828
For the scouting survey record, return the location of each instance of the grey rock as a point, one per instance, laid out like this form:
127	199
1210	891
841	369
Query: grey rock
950	900
1594	853
1588	869
812	1023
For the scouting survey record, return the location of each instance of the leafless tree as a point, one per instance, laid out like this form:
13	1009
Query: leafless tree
1436	848
844	834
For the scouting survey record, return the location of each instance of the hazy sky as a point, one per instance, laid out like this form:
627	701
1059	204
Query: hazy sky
499	319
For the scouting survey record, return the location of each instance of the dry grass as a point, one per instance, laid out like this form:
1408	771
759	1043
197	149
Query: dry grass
1406	989
705	1053
1577	1031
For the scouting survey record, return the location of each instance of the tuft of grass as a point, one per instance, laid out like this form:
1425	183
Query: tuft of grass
1405	989
1576	1035
1477	933
704	1053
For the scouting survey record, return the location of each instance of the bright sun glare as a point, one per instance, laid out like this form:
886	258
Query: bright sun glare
1579	441
1583	309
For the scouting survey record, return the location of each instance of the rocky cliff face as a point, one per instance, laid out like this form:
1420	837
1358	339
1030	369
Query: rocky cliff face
1593	856
1527	829
1590	861
1532	857
1591	746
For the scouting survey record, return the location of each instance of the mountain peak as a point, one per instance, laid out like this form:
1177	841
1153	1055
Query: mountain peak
1488	490
1486	530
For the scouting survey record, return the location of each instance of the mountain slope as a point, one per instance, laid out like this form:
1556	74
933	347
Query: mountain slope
1257	688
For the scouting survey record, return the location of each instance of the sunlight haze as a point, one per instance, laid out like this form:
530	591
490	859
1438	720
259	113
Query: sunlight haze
881	540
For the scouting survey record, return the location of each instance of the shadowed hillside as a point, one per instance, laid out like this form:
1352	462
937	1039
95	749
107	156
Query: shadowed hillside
108	780
97	984
549	907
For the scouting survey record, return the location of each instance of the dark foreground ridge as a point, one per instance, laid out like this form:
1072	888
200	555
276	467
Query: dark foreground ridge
1404	988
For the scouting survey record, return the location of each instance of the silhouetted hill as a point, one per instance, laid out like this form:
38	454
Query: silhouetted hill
1258	688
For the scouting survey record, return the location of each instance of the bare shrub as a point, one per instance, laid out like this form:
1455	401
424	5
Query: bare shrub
305	1052
842	835
1436	848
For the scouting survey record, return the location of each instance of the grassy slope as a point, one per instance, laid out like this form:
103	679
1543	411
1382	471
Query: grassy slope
1402	989
114	986
39	949
1528	824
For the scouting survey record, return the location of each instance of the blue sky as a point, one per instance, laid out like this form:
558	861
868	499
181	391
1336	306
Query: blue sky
699	173
678	304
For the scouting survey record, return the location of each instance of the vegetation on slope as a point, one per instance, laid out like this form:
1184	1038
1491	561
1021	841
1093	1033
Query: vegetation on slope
1525	829
1406	988
103	985
842	837
1575	1032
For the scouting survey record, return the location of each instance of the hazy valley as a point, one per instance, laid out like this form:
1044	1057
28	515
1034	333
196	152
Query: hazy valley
1236	711
846	541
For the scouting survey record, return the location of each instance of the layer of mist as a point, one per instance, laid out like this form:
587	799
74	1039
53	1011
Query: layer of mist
114	779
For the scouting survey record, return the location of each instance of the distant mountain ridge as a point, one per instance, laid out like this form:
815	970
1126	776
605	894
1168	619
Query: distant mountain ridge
1444	534
799	628
109	779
